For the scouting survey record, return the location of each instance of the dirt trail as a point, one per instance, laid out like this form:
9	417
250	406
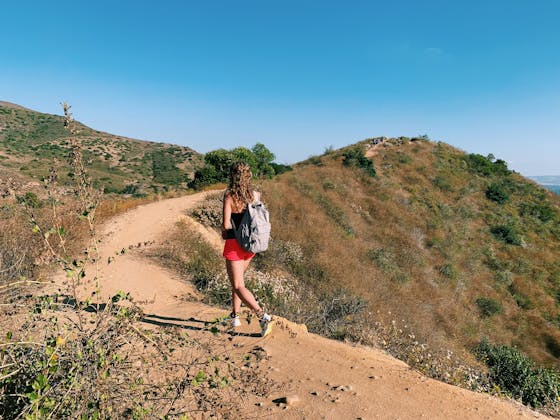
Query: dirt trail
331	379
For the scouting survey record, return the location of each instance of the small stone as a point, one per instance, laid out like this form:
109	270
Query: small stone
259	404
314	393
373	377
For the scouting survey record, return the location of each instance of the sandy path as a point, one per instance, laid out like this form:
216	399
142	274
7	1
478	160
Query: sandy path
313	368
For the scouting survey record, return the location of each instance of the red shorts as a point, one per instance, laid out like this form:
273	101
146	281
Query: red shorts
234	252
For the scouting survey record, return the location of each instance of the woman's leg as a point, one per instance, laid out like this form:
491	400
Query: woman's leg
236	272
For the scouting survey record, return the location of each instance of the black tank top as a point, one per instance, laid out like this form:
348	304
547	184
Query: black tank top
236	219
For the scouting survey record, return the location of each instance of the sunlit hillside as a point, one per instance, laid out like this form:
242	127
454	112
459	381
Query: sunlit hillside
455	246
30	141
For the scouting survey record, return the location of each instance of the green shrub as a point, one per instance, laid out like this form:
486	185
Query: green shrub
443	183
543	212
384	259
30	199
164	168
206	175
280	168
403	158
315	160
355	157
328	185
513	372
486	166
506	234
496	192
218	163
488	307
448	271
387	261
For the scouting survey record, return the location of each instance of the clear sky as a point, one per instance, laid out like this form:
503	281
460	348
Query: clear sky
298	76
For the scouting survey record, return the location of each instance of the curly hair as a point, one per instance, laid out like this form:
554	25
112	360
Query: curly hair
240	188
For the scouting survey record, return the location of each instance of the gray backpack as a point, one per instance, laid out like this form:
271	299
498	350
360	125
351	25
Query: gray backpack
253	232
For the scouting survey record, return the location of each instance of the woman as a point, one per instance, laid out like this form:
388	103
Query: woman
236	198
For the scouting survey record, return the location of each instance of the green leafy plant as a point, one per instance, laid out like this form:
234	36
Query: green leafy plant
496	192
507	234
488	307
514	373
355	157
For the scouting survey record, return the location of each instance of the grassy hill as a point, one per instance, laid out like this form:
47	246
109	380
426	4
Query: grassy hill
30	140
454	246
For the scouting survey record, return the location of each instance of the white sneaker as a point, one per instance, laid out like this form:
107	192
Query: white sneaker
235	321
265	323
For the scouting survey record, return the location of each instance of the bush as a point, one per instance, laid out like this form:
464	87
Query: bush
543	212
486	166
207	175
448	271
280	168
218	163
164	168
443	183
514	373
30	199
506	234
488	307
496	192
355	157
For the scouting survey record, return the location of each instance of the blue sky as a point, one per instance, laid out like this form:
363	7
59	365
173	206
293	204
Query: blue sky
298	76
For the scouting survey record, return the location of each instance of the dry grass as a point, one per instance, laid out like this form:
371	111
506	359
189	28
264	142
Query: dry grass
415	241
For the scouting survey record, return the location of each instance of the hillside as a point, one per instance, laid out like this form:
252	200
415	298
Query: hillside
29	141
453	246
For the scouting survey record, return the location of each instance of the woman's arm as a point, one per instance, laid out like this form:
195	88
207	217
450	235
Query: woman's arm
226	213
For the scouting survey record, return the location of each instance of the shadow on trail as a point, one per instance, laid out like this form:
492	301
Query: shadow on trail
208	326
61	301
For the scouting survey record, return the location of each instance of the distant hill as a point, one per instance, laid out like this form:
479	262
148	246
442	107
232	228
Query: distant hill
551	182
455	246
30	140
